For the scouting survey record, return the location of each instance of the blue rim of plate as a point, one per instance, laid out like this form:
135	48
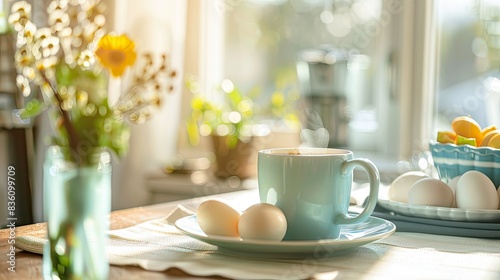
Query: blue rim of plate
441	213
352	236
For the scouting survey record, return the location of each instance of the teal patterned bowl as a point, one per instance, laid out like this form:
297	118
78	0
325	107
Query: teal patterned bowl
453	160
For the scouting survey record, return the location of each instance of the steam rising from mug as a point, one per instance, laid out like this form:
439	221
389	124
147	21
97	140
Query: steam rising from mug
314	135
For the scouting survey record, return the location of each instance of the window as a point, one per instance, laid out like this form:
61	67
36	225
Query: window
469	59
413	65
266	43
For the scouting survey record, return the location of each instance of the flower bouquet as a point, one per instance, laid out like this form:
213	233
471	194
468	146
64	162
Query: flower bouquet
71	62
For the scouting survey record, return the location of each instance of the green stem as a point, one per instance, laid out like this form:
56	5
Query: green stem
72	135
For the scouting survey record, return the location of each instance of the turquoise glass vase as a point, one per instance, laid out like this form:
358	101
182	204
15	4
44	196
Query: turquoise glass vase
77	204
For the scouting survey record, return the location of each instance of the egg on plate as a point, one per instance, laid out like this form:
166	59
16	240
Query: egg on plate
430	192
262	221
399	188
216	217
476	191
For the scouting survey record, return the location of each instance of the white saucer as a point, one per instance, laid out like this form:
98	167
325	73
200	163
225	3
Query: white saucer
352	236
441	213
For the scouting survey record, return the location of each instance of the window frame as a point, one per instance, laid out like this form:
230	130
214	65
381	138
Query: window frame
418	64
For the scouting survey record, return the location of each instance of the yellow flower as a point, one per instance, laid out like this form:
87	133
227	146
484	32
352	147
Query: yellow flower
116	53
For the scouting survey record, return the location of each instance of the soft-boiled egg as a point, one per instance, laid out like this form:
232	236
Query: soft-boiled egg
476	191
262	221
431	192
398	190
216	217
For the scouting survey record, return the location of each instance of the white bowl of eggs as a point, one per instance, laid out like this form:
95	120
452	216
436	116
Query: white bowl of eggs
472	190
467	160
471	196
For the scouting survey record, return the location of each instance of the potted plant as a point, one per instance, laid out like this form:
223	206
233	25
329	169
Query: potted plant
229	121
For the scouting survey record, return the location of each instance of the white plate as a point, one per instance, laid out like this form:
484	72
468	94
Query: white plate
441	213
352	236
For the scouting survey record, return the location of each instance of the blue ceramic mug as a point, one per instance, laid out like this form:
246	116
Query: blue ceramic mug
312	187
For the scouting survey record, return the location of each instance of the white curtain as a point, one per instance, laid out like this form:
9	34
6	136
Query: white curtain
156	26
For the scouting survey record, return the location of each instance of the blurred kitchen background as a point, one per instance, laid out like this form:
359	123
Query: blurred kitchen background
380	76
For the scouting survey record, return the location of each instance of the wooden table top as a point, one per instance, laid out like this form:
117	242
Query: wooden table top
398	256
29	265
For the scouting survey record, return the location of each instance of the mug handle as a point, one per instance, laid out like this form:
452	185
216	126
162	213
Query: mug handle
374	178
